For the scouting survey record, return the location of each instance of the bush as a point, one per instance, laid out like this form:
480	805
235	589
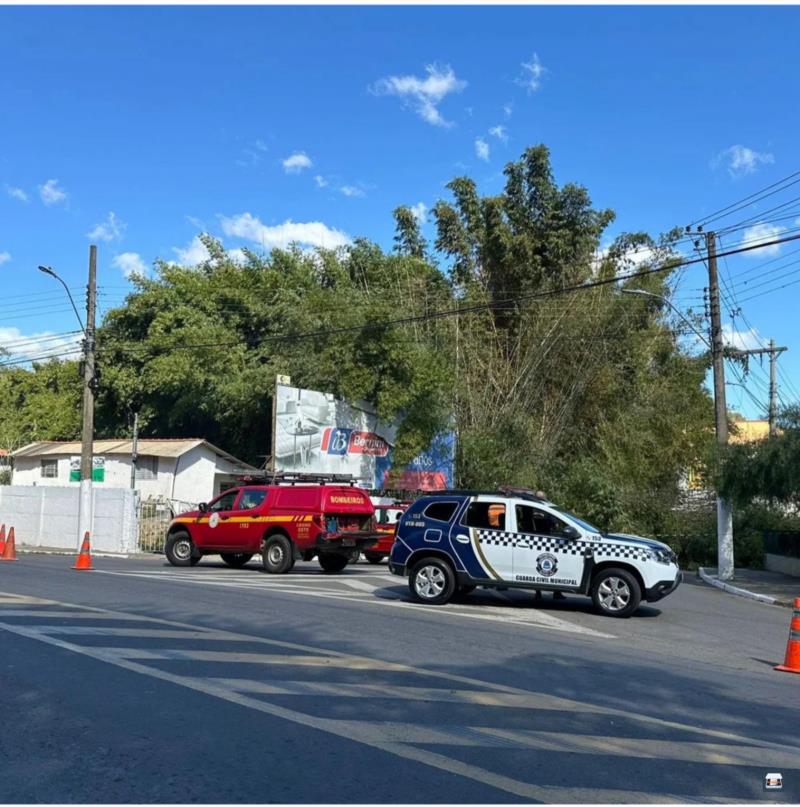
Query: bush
5	476
693	535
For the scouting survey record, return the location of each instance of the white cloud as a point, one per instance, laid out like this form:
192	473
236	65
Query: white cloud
741	340
192	254
297	162
280	236
351	190
761	232
531	75
51	193
500	132
5	257
741	160
482	149
129	263
508	109
420	212
17	193
22	347
423	95
237	256
321	181
109	230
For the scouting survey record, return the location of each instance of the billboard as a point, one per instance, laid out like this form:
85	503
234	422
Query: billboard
316	433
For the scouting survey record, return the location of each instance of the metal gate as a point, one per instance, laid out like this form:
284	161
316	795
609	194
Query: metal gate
154	516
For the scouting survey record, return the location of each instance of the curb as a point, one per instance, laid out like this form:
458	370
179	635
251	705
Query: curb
740	592
42	550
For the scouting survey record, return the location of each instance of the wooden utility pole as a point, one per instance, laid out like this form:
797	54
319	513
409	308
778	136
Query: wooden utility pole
724	510
89	384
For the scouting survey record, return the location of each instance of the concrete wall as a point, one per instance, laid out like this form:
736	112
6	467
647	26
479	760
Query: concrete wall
779	563
47	516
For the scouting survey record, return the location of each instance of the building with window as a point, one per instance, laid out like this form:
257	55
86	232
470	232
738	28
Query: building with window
184	470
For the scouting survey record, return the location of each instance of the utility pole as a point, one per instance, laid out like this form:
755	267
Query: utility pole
89	384
773	386
724	510
773	352
134	449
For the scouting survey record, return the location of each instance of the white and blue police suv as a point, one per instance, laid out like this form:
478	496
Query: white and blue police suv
454	541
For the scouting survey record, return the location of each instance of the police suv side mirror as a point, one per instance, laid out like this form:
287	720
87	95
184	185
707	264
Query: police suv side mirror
203	507
570	532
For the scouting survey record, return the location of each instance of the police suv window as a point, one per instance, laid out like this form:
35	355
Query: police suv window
485	515
225	503
532	520
440	511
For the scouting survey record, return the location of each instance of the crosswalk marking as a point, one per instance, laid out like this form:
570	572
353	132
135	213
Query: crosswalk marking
361	592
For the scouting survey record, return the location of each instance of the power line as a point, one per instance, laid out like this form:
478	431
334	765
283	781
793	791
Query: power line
489	305
717	214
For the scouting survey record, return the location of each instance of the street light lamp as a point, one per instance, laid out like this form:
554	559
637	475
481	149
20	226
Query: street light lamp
643	293
48	270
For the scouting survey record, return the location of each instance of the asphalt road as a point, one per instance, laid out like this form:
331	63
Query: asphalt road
138	682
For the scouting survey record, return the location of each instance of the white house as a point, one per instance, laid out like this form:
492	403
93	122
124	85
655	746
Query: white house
185	470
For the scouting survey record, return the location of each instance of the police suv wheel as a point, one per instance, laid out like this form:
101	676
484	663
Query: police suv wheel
179	549
616	592
276	554
432	581
235	559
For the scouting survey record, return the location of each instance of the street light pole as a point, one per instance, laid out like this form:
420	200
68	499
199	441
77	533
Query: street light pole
89	384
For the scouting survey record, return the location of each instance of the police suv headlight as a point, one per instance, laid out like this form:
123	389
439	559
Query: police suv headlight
663	556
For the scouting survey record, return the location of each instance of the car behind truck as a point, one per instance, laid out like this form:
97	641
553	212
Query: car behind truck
282	522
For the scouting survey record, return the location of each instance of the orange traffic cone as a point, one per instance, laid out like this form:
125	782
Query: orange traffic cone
2	539
10	549
792	660
84	560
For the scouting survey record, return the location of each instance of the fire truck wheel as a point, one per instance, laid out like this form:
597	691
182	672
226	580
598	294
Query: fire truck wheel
179	549
276	553
332	563
235	559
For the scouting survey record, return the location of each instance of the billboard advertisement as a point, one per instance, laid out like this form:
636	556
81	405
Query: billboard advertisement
317	433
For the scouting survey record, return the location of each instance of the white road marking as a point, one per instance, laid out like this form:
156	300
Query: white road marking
482	692
707	753
392	739
520	616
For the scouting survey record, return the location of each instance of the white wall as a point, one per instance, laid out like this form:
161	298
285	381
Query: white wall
47	516
194	480
199	474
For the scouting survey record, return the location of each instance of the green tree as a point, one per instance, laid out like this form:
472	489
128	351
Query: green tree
408	239
767	471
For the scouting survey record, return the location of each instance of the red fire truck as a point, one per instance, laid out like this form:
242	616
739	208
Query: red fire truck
287	519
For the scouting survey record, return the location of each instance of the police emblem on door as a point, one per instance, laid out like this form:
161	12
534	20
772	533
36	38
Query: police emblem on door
547	565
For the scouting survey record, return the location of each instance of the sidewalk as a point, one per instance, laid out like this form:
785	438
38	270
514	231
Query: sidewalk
772	587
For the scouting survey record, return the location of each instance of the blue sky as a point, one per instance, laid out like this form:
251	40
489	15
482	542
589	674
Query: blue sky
143	126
